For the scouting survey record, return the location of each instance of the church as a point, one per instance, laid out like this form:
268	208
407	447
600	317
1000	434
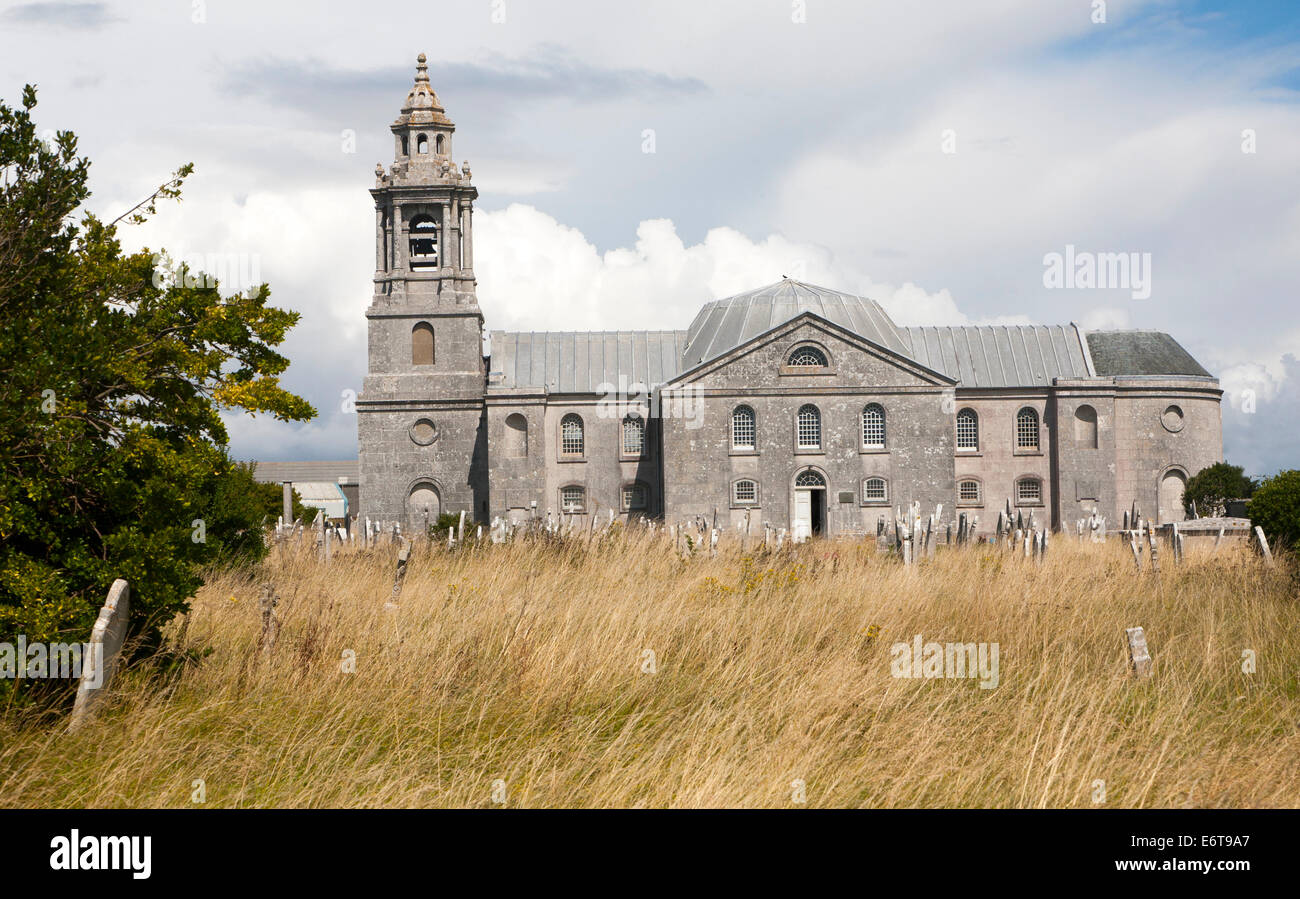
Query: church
792	404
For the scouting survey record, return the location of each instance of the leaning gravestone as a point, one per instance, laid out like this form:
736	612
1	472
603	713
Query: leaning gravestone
1139	658
105	644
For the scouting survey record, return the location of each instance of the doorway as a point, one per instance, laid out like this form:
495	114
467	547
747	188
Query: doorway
809	506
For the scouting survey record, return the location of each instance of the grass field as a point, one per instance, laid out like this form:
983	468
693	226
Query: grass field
615	674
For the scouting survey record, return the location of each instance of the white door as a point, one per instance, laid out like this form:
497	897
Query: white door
802	528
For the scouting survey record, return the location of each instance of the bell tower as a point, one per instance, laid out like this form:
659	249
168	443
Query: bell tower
420	416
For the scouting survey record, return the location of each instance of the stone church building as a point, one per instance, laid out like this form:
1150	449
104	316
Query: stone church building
797	405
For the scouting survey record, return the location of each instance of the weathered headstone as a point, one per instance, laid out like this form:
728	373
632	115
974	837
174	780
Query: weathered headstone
106	639
270	621
1139	659
403	556
1263	545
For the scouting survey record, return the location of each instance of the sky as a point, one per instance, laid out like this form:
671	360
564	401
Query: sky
929	154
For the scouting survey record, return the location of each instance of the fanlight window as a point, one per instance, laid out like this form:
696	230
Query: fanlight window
968	491
1029	490
573	499
809	478
634	497
571	435
745	491
742	428
633	435
424	242
1027	429
873	426
968	430
809	428
873	490
807	357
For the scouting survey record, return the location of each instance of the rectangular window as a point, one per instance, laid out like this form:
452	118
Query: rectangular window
969	491
573	499
745	492
873	490
634	497
1029	491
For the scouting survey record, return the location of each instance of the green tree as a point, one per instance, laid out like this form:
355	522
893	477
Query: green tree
1275	506
1212	487
112	380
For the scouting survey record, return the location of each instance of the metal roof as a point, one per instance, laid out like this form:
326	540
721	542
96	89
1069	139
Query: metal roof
580	361
301	472
1000	355
723	325
1141	353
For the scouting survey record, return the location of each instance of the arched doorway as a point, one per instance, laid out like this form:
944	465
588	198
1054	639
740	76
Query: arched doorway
423	507
1172	485
809	518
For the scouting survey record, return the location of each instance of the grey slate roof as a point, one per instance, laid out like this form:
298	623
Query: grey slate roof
580	361
723	325
1000	355
1141	353
276	472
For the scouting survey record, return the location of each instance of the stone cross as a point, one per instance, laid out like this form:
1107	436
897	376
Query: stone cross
403	556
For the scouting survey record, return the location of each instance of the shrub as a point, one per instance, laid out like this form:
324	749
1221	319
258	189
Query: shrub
1212	487
1275	506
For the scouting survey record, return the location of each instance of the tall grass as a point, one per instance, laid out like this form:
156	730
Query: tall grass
525	671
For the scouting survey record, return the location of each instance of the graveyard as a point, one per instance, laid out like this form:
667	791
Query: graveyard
601	666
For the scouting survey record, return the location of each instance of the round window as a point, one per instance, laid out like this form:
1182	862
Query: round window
1172	419
424	432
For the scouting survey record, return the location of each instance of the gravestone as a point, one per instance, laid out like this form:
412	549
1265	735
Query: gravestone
105	644
1139	658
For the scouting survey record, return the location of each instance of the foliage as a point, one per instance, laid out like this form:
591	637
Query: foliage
112	381
1275	506
1212	487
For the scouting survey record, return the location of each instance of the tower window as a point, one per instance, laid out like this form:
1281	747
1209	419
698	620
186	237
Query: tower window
424	242
422	344
968	430
571	436
422	145
440	145
406	146
809	428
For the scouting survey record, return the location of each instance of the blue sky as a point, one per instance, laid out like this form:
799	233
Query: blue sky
812	146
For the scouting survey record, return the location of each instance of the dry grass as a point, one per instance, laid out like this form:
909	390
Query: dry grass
524	663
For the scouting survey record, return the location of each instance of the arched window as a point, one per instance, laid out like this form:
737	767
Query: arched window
1027	429
1085	427
809	427
744	492
571	435
807	357
743	429
873	490
440	145
968	430
633	435
634	497
422	344
968	492
873	426
573	498
406	147
516	436
809	478
422	144
424	242
1029	492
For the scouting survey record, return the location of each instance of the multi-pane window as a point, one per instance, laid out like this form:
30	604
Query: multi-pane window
634	497
808	356
571	439
745	491
873	426
968	430
1029	490
742	428
873	490
1027	429
573	499
809	478
809	427
633	435
968	491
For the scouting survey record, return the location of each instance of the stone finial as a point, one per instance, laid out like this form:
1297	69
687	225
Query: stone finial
464	169
422	68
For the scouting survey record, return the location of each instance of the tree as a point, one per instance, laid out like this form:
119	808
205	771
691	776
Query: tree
1213	486
112	380
1275	506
